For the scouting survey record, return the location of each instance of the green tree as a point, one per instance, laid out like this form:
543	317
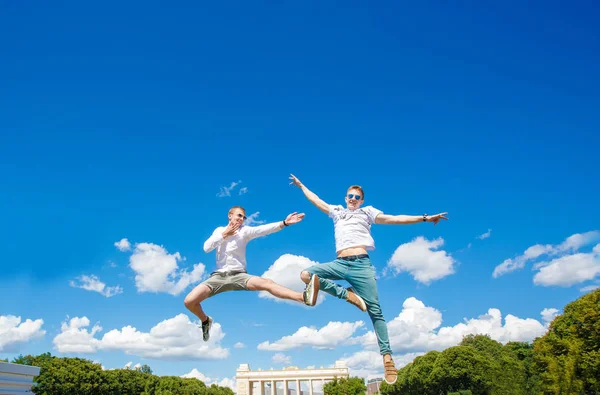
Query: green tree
146	369
567	357
345	386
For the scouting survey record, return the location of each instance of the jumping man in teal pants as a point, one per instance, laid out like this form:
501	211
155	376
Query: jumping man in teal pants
352	227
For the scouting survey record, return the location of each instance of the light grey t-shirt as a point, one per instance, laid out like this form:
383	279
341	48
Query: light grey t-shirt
353	227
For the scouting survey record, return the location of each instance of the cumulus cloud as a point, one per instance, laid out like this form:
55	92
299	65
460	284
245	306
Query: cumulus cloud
548	315
420	258
569	245
417	329
369	364
175	338
328	337
569	269
243	190
286	271
589	288
226	191
123	245
226	382
196	374
14	333
252	219
239	345
158	271
93	283
281	358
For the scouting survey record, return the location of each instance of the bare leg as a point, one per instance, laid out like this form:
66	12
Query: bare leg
265	284
193	299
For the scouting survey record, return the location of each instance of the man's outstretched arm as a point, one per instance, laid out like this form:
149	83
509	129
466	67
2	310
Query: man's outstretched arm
311	196
386	219
263	230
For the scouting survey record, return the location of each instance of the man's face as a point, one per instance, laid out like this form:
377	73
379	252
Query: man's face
237	216
354	199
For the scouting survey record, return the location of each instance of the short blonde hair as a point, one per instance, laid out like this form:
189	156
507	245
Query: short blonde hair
359	188
234	207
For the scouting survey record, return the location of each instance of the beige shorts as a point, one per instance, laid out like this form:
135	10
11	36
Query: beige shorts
223	282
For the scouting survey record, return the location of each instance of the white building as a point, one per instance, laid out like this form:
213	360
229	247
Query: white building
288	381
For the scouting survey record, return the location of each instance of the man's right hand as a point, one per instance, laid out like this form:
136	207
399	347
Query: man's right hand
295	181
230	230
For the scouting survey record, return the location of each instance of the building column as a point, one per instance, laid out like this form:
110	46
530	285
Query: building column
298	392
273	388
261	387
310	389
285	384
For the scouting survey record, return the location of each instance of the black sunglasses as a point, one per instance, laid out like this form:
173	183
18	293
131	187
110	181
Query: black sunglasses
241	216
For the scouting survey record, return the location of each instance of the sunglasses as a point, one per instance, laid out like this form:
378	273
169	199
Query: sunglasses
241	216
351	196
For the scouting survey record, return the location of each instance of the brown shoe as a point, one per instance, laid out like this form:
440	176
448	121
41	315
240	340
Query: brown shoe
356	300
391	374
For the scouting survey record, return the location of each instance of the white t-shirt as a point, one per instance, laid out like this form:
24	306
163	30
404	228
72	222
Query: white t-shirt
231	252
353	227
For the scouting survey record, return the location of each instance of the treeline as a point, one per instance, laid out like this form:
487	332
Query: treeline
76	376
566	360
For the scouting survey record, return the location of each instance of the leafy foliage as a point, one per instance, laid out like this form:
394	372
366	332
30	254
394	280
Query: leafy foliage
343	386
566	360
60	376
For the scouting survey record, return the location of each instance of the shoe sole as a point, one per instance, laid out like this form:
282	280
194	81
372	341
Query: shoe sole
209	326
316	284
391	382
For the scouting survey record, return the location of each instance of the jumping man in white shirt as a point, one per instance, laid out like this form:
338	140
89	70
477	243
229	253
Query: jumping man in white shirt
231	275
352	227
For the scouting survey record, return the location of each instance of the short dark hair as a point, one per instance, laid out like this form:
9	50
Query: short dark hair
362	193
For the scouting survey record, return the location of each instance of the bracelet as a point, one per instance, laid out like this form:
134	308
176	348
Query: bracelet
424	217
284	224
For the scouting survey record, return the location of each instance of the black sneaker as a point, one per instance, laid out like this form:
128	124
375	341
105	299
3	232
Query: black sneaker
206	329
311	291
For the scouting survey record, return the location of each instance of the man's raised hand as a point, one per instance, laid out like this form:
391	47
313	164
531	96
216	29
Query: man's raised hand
230	230
294	218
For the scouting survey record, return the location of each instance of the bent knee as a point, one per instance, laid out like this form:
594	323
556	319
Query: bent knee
305	276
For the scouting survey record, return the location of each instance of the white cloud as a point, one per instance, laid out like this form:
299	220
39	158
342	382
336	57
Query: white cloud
243	190
252	219
420	259
417	329
195	374
123	245
569	269
239	345
74	338
330	336
570	244
14	333
286	271
93	283
226	191
176	338
281	358
226	382
369	364
157	270
548	315
590	288
485	235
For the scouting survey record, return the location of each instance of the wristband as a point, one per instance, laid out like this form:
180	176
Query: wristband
424	217
284	224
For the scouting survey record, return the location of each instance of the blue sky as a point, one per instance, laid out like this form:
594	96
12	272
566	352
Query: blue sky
126	121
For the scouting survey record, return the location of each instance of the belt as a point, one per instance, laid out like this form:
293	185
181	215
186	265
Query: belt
228	273
354	257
